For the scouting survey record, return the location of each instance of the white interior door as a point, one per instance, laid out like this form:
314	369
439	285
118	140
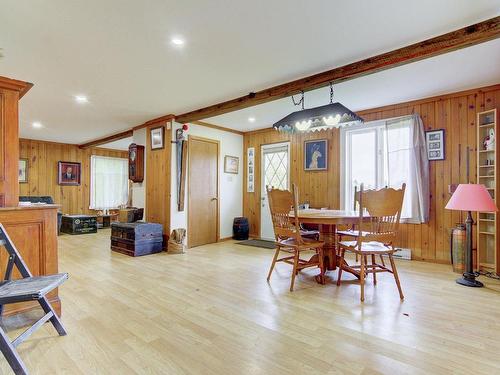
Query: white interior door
275	172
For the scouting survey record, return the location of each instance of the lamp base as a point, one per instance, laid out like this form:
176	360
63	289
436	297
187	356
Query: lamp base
469	280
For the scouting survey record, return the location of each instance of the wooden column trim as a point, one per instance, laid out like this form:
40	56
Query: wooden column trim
461	38
15	85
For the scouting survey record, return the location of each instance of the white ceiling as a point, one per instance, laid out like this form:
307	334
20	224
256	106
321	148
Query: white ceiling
472	67
117	52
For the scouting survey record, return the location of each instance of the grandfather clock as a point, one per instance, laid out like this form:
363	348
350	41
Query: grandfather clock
136	163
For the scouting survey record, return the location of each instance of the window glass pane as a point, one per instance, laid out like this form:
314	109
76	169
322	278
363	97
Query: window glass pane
275	169
398	161
109	178
363	159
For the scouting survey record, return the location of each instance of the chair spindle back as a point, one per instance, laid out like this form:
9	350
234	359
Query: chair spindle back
281	202
384	207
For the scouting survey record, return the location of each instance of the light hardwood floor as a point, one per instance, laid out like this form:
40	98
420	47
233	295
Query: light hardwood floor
211	311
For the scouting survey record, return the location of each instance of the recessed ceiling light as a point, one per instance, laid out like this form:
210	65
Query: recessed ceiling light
251	119
177	41
81	99
37	125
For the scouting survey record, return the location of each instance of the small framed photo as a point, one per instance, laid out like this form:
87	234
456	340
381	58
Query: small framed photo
157	138
435	144
316	155
231	164
68	173
23	171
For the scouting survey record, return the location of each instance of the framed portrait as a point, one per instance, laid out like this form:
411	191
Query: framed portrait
23	171
316	155
231	164
435	144
157	138
68	173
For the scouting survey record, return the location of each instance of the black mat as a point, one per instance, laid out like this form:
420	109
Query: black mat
258	243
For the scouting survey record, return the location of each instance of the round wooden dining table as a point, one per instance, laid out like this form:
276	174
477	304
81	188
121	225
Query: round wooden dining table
326	221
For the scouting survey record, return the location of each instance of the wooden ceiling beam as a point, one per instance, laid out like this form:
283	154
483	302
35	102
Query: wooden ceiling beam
126	133
111	138
464	37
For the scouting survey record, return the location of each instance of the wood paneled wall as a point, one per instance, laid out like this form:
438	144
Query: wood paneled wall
42	172
456	113
158	180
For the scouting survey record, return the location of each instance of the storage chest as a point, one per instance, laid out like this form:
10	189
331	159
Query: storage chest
79	224
136	239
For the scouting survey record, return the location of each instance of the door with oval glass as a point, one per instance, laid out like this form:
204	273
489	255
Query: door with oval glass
275	172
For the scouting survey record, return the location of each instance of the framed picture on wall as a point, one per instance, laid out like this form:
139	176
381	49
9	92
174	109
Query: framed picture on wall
250	169
316	155
23	171
435	144
68	173
157	138
231	164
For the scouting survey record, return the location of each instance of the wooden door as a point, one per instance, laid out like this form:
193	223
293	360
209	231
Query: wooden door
203	191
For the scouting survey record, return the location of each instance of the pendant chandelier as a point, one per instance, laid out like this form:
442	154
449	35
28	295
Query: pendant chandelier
333	115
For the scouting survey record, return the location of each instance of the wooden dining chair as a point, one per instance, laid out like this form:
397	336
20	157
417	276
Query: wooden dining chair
26	288
288	235
378	234
352	232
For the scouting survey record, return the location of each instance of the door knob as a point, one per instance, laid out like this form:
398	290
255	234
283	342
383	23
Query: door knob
213	199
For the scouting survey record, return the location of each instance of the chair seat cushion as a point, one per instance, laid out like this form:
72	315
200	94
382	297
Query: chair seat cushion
309	233
351	233
29	288
291	242
372	247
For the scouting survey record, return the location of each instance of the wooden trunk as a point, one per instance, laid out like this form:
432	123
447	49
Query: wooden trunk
136	239
79	224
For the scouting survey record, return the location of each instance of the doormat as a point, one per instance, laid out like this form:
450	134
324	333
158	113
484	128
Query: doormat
258	243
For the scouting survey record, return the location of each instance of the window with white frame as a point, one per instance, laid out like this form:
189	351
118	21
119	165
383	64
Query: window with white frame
386	153
108	182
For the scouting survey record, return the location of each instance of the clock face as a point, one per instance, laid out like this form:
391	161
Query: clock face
132	155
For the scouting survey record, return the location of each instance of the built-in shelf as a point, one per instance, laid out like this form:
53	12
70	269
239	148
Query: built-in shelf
488	242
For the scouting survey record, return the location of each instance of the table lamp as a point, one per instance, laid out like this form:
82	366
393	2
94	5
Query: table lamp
470	197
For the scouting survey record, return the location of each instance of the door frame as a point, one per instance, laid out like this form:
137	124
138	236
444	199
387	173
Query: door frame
288	144
217	143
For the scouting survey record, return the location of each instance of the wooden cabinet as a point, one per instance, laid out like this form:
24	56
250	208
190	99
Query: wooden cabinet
488	239
34	232
136	163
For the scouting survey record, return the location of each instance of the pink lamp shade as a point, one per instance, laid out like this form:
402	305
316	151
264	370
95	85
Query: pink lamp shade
471	197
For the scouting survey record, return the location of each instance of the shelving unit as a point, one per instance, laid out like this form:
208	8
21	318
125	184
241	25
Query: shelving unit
488	238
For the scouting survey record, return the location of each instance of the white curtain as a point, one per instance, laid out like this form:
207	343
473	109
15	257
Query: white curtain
108	182
407	162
